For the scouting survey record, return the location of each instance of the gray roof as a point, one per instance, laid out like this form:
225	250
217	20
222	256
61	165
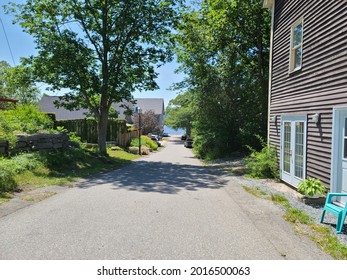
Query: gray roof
47	105
154	104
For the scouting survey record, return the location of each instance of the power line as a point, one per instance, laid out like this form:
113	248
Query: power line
8	43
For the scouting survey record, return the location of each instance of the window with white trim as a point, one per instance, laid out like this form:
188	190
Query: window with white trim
296	45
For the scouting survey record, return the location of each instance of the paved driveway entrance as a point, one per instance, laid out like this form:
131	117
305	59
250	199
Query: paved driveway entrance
164	206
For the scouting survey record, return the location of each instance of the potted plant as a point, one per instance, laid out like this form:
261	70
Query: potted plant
312	188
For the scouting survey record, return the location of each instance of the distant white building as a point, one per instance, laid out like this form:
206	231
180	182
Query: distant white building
146	104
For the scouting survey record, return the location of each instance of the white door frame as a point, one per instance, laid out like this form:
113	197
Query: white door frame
290	178
339	116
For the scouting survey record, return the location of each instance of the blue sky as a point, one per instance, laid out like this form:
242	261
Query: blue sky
22	45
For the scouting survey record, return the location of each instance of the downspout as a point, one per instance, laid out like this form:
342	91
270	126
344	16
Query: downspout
270	70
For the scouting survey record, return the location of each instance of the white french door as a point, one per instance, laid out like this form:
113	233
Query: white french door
293	149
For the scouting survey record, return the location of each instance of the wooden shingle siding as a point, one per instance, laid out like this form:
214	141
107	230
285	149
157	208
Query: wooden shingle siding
320	85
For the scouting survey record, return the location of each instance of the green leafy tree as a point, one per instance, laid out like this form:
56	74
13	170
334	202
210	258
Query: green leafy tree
223	50
4	66
102	50
179	113
18	83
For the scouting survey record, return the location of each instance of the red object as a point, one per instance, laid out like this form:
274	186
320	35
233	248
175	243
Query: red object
8	100
2	107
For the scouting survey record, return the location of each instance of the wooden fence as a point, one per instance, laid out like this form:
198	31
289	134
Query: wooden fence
88	130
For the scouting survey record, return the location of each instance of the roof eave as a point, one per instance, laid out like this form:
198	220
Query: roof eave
268	4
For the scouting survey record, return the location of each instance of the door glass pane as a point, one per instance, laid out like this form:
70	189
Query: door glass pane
299	150
286	147
345	140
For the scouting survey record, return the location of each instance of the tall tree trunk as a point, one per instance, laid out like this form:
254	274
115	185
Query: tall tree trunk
104	108
102	130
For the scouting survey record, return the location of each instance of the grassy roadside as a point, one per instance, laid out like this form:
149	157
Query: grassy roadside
36	170
320	234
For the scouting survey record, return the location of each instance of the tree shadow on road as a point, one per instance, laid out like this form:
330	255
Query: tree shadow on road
159	177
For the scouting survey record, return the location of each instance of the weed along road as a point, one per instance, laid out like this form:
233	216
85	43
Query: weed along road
164	206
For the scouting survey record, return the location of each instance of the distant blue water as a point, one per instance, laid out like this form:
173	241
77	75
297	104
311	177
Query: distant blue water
171	131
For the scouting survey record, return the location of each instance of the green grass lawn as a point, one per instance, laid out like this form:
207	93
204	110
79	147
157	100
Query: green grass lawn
58	168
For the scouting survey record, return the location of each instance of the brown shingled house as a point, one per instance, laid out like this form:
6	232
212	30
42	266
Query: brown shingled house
308	90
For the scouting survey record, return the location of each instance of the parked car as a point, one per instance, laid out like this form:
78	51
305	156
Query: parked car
156	139
165	134
183	137
188	143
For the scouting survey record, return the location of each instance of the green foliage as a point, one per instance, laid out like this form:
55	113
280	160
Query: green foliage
26	161
311	187
294	215
7	182
145	141
8	129
223	50
22	119
54	167
73	137
280	199
17	83
179	114
263	164
108	50
16	165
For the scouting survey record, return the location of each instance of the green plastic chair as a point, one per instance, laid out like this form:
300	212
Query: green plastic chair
338	211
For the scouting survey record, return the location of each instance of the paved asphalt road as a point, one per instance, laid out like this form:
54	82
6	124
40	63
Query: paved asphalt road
163	206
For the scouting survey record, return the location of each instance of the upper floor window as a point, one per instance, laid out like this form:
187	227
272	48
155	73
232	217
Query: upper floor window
296	46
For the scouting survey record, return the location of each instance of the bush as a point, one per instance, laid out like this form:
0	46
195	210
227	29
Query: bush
16	165
76	140
263	164
26	161
145	141
7	182
22	119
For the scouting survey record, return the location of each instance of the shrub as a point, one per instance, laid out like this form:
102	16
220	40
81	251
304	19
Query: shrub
26	161
9	167
145	141
149	143
7	172
76	140
22	119
263	164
